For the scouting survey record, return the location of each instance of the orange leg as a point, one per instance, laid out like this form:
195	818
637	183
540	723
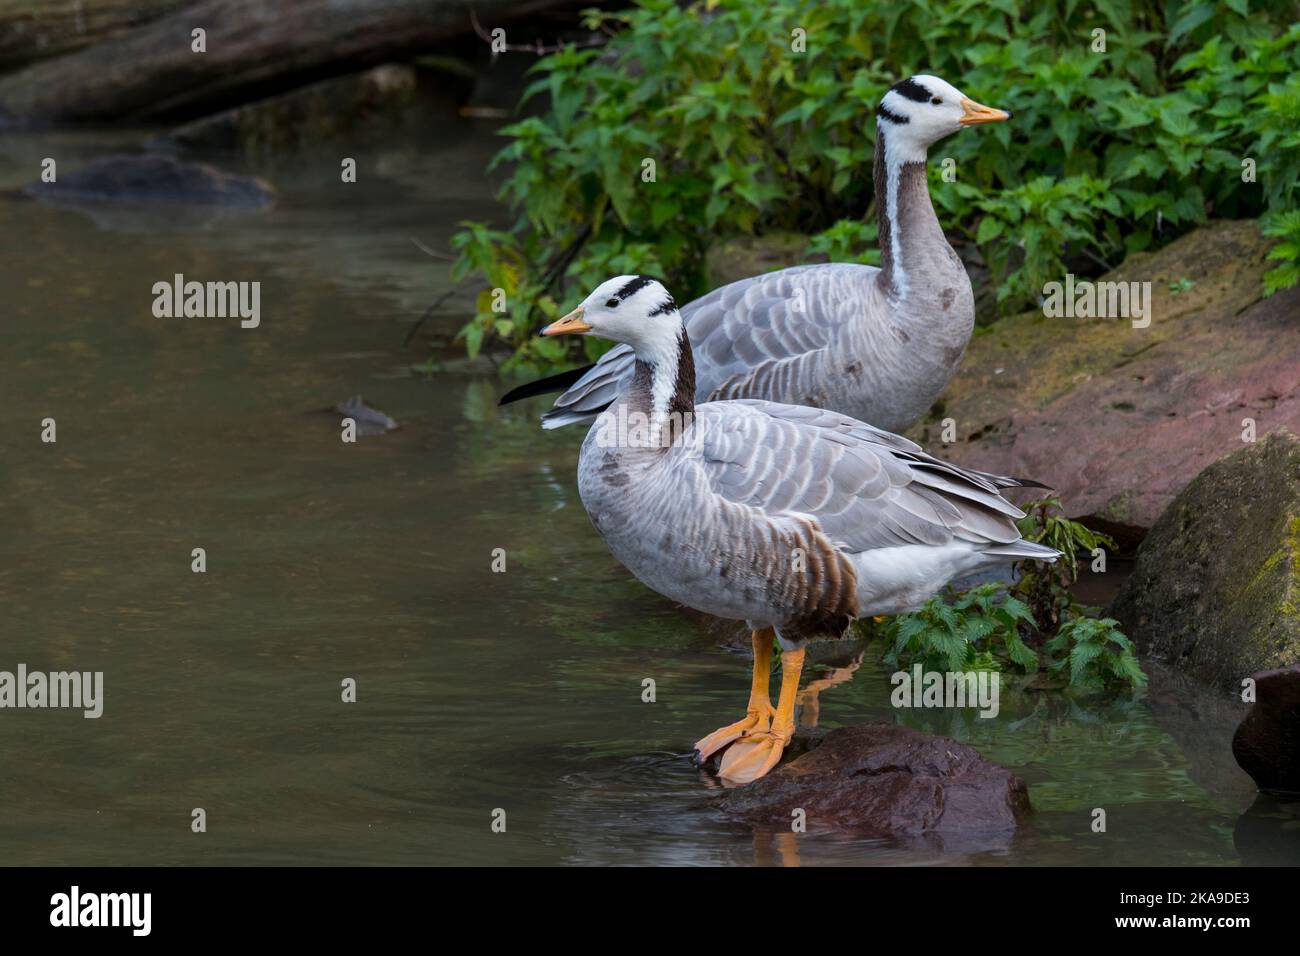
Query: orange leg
760	751
759	711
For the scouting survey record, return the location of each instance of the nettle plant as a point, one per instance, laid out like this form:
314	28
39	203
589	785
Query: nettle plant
1133	122
1035	622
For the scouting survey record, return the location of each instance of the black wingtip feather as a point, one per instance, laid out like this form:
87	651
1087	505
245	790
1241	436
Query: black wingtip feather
545	386
1030	483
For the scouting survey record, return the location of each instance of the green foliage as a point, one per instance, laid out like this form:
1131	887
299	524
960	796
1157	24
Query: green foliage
1284	226
1108	152
849	240
1045	587
992	623
967	634
1095	654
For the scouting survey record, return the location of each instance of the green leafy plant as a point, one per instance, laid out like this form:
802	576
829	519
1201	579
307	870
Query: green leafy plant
968	632
1094	654
1046	587
847	241
1110	152
1021	623
1286	228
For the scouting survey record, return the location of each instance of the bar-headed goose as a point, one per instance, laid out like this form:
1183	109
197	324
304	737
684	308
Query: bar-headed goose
792	518
877	344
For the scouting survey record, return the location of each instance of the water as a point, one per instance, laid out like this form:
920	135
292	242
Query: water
372	561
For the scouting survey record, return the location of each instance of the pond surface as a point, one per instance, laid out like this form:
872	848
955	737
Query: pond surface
476	691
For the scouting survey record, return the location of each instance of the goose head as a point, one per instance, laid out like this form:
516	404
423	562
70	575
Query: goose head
639	312
923	109
634	310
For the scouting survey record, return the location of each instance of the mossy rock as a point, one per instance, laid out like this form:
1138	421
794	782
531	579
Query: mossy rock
1216	585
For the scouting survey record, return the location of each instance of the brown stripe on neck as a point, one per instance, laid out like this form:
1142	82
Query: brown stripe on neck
681	400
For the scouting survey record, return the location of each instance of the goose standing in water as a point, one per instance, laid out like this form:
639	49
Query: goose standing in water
794	519
877	344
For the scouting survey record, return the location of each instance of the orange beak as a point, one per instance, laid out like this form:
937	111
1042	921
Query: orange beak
571	324
973	114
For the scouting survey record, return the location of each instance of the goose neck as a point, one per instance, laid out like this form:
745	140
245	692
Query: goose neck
908	229
662	395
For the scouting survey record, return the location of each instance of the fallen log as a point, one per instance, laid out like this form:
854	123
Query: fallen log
252	49
32	30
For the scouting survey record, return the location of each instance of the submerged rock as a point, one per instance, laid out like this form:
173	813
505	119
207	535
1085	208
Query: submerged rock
1216	585
1267	744
370	421
151	178
888	781
1119	419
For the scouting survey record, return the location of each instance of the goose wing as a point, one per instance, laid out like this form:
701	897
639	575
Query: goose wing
865	488
753	337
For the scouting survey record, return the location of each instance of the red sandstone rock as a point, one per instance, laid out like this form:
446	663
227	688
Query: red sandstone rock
1118	420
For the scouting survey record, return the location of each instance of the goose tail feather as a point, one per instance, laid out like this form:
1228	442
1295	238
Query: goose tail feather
1004	481
1021	550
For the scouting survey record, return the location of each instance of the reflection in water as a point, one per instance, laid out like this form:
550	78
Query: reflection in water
810	694
1268	834
775	849
475	691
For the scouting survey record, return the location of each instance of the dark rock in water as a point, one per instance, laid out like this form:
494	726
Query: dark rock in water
152	178
1267	744
889	781
369	421
1215	588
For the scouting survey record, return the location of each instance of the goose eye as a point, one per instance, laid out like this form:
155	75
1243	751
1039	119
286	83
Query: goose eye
612	304
936	101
